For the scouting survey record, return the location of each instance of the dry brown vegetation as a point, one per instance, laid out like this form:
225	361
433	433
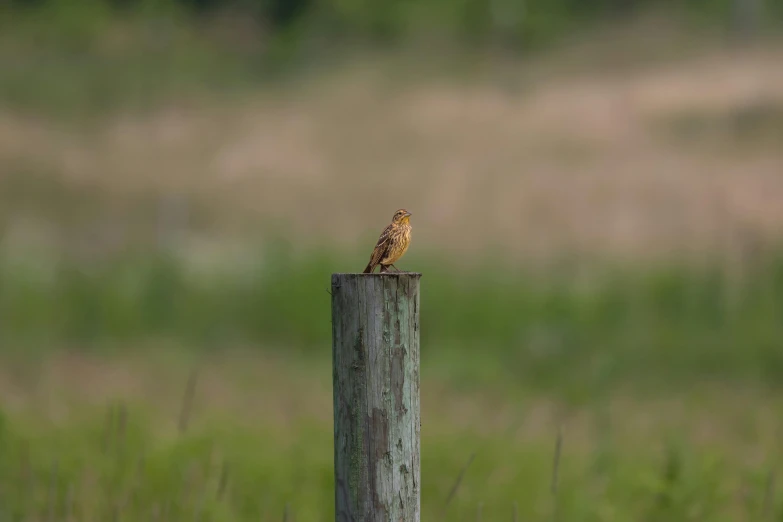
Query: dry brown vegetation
643	160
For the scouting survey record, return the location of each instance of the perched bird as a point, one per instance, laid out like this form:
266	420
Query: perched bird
392	244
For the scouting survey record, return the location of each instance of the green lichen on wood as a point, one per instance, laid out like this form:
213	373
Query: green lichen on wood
376	396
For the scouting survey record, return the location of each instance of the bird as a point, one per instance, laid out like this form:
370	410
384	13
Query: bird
392	243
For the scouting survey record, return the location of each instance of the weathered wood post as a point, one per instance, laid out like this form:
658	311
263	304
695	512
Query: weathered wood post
375	357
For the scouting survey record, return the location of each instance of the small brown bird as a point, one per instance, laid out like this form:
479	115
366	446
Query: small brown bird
392	244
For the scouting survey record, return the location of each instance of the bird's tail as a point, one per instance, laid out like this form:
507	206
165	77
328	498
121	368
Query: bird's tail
369	269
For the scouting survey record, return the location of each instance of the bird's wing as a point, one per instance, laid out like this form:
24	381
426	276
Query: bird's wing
382	246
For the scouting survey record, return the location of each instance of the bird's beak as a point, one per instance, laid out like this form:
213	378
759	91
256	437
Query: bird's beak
407	214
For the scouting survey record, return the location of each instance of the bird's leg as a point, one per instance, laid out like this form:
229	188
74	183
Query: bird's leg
395	268
384	268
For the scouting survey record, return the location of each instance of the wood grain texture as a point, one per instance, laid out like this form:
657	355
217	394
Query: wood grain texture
375	350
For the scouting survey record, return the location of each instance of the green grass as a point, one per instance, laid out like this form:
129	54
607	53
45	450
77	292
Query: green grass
120	467
80	62
625	324
163	62
662	379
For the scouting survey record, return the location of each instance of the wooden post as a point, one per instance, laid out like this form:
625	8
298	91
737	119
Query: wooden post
375	358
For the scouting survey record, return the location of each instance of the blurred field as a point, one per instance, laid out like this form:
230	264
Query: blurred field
598	226
257	438
522	159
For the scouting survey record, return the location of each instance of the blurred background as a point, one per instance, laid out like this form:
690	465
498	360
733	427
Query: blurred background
596	192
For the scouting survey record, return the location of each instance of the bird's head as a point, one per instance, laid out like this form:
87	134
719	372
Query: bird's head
401	216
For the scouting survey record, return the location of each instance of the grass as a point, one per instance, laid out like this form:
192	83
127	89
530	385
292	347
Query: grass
258	442
78	61
555	328
144	387
75	66
149	386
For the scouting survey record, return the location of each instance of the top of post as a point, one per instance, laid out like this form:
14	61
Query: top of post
411	277
378	274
